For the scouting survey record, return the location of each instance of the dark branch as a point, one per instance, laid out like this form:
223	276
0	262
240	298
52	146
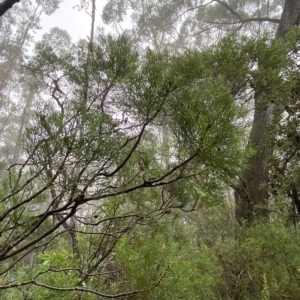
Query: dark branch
241	20
6	5
230	9
272	20
193	8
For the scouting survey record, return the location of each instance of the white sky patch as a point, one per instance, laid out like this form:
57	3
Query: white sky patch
76	23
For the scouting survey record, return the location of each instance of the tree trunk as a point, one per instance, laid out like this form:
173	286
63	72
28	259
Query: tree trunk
290	16
93	21
26	111
252	195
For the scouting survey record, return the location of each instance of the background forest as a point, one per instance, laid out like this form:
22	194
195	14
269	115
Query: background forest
157	158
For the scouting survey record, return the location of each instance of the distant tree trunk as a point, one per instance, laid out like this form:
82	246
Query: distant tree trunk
24	118
251	195
12	64
93	20
70	226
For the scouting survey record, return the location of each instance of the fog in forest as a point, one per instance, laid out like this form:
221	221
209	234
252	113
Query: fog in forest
149	149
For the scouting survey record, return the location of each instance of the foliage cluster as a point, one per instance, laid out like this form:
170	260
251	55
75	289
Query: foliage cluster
126	160
174	261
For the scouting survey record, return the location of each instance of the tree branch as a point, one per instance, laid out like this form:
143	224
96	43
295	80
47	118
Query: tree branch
272	20
6	5
241	20
230	9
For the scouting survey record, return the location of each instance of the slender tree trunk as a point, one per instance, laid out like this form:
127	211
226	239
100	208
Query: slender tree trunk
12	64
251	195
93	21
69	226
24	118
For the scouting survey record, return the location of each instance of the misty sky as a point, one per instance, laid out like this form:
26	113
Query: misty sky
77	23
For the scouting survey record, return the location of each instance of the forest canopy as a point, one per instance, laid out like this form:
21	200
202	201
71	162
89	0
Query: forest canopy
164	168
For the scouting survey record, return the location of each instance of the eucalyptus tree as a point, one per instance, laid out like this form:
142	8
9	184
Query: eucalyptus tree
188	24
183	24
89	6
93	171
18	26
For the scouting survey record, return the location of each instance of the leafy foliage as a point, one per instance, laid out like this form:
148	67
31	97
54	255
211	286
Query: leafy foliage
122	144
93	168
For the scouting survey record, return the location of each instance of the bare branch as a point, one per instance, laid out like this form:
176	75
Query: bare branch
241	20
230	9
193	8
39	192
272	20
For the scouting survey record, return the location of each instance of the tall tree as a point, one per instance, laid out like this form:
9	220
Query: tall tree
89	7
252	191
17	29
187	24
195	24
93	166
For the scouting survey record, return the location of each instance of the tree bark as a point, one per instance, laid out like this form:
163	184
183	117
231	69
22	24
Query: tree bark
251	194
289	17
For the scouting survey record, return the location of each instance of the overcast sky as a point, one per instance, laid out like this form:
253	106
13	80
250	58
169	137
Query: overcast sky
77	23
